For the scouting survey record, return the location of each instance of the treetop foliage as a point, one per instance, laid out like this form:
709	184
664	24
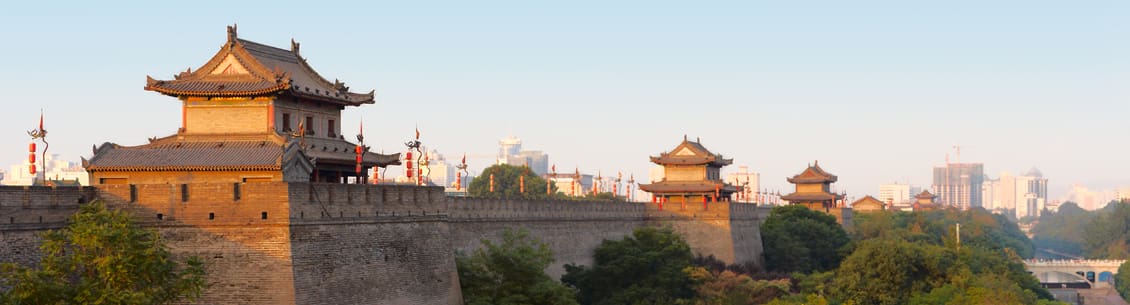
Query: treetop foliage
798	239
508	184
510	273
644	268
102	257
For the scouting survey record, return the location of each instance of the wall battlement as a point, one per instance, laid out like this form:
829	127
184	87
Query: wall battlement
40	207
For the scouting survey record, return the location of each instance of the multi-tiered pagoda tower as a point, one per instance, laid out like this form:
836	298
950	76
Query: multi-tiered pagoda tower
252	113
691	174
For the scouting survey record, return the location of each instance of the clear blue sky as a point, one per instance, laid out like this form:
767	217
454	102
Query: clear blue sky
878	91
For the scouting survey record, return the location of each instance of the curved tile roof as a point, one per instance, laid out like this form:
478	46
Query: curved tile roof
265	70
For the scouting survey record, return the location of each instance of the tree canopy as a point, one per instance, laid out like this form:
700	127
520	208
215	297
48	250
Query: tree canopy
1103	233
1062	231
1122	280
644	268
508	183
915	258
510	273
798	239
102	257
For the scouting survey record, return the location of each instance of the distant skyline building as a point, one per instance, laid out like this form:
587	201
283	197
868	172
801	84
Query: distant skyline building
438	171
510	152
572	184
57	170
959	184
748	183
1031	193
1088	199
1024	195
897	193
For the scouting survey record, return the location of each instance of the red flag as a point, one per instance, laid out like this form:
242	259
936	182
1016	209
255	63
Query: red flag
41	119
417	133
464	158
362	129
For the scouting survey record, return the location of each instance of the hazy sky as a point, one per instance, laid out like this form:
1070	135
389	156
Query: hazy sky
878	91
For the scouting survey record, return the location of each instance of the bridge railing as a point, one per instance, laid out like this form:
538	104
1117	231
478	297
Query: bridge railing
1074	262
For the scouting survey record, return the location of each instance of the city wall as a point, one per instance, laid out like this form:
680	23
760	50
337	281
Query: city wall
306	243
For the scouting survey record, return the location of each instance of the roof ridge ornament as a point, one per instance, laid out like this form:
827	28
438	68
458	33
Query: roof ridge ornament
232	33
294	46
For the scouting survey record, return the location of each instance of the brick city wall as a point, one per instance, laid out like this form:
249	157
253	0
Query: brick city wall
365	244
304	243
573	229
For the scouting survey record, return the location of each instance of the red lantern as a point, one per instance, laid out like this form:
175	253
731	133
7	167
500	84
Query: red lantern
408	165
358	159
31	168
358	149
31	147
31	158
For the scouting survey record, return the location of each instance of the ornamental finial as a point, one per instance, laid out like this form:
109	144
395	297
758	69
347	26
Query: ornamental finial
232	32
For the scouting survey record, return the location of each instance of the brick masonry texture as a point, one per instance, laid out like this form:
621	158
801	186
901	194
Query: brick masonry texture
321	243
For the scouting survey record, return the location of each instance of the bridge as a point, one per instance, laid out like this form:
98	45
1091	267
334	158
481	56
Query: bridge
1075	272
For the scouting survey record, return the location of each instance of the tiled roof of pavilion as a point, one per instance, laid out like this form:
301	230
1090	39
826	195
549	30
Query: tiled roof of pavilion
869	200
688	187
813	174
690	153
925	195
810	197
246	68
229	153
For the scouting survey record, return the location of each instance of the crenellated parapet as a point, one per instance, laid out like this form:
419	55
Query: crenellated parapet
40	207
345	202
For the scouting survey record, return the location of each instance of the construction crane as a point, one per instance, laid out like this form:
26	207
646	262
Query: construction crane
957	149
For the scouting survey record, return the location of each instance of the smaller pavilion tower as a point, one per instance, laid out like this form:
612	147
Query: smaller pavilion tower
925	201
813	189
691	173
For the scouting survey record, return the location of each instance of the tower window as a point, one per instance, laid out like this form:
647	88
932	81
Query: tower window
184	192
286	122
309	125
330	129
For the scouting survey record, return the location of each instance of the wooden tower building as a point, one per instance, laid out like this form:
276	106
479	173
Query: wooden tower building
691	173
813	189
253	112
924	201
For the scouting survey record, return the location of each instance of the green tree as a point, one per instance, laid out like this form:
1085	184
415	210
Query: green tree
102	257
644	268
508	184
730	288
883	271
797	239
921	264
512	272
1122	280
1108	233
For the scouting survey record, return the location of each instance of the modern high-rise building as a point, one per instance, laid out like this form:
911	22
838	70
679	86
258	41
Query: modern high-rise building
510	152
1020	196
1031	193
959	184
748	183
895	193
